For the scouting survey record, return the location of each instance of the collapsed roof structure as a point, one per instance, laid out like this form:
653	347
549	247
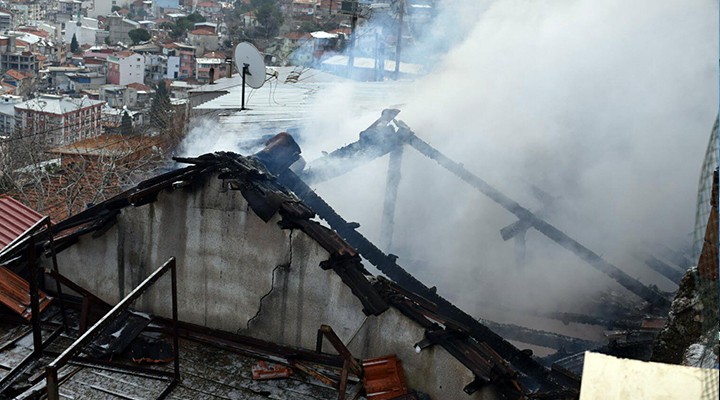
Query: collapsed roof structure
252	271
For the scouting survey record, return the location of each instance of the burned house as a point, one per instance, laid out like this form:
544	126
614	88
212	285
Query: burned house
252	265
256	274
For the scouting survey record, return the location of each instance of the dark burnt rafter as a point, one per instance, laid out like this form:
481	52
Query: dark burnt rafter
485	331
266	197
486	364
387	264
387	134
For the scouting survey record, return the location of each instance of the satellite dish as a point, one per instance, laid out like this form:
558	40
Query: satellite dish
250	63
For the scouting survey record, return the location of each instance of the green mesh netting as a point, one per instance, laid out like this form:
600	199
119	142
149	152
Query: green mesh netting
705	250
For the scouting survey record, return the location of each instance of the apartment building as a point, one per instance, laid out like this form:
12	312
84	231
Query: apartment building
59	119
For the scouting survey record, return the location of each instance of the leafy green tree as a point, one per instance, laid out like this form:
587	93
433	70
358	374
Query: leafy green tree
310	26
74	45
270	16
183	25
126	127
115	8
196	17
139	35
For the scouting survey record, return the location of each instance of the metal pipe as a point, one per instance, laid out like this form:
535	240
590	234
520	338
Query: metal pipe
245	70
351	53
399	40
176	343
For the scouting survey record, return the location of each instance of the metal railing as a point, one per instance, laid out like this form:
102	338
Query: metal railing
52	381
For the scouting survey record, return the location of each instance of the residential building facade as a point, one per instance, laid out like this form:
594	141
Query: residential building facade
126	67
85	31
7	114
204	40
6	21
12	58
119	28
210	67
59	119
181	61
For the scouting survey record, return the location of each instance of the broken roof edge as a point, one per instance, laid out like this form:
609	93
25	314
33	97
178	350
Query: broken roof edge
266	197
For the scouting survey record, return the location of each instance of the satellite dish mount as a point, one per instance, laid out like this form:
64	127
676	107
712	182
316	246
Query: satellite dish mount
252	70
245	71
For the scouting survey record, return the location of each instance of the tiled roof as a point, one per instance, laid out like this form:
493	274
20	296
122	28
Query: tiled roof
214	54
140	87
124	54
15	218
110	145
57	105
203	31
15	74
296	35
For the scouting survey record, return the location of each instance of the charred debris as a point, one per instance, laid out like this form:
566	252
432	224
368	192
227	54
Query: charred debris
81	330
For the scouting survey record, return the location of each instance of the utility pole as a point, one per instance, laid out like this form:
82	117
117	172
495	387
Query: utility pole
351	54
399	40
351	7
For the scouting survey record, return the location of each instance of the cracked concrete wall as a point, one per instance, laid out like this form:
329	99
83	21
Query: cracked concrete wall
239	274
304	297
225	255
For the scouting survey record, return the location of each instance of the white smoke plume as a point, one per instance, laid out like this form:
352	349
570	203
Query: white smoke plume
605	105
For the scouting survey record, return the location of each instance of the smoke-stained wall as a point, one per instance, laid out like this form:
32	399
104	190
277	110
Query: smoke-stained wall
239	274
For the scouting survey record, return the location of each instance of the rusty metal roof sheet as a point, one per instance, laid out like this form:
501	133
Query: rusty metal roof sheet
15	294
15	219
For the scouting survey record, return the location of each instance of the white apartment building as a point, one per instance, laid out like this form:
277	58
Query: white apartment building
125	68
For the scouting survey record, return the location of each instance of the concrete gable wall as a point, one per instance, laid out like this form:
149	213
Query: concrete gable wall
234	268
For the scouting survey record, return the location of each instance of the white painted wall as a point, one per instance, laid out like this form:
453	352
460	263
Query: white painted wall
132	69
607	377
85	33
173	67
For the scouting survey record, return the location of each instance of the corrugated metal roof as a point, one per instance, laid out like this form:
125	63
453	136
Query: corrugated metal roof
283	105
15	218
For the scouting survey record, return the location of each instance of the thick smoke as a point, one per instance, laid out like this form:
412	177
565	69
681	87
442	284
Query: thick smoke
606	106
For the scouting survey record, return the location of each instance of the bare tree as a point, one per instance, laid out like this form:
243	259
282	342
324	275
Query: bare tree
62	181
